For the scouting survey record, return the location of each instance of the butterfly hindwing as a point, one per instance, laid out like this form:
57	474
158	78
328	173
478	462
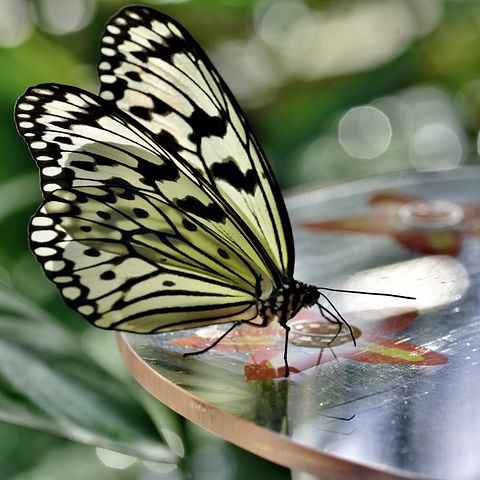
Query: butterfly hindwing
154	70
114	197
112	264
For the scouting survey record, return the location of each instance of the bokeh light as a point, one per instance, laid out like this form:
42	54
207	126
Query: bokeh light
253	75
420	128
364	132
435	147
436	141
343	38
65	16
15	23
278	25
400	116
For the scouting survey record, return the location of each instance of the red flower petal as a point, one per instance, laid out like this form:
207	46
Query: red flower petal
431	243
395	352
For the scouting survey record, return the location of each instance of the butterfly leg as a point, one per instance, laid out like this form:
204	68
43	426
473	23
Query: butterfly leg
332	318
264	323
285	350
338	318
283	322
319	358
215	343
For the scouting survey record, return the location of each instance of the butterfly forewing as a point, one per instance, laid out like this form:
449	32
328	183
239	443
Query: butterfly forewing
154	70
79	139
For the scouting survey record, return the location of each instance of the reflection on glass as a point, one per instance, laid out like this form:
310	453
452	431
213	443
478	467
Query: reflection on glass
436	281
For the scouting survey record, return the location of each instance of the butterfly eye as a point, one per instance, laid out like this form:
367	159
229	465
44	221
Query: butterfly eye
311	295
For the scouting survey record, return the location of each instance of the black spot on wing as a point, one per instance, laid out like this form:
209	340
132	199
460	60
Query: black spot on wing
152	172
118	88
108	275
229	172
92	252
104	215
84	165
63	139
140	213
165	51
205	125
159	106
167	140
191	227
126	193
133	76
140	112
192	205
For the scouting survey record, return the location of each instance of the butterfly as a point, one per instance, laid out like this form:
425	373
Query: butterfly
160	209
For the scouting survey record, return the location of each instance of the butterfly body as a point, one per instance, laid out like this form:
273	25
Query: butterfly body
286	301
160	209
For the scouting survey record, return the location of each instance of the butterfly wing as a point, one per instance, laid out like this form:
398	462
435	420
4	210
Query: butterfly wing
134	240
102	248
154	70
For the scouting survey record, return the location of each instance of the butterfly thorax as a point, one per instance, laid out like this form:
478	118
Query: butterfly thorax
286	301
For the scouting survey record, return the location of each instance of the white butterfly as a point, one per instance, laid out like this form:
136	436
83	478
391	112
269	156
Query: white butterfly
161	211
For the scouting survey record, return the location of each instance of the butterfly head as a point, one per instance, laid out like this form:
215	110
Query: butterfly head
310	295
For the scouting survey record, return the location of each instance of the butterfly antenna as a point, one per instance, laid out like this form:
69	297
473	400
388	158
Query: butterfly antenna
319	358
332	318
360	292
336	316
328	314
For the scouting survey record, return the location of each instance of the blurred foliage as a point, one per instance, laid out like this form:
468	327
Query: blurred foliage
333	89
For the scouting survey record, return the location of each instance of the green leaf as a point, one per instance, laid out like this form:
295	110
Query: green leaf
48	383
18	193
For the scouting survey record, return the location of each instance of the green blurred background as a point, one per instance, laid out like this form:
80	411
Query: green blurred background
334	90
